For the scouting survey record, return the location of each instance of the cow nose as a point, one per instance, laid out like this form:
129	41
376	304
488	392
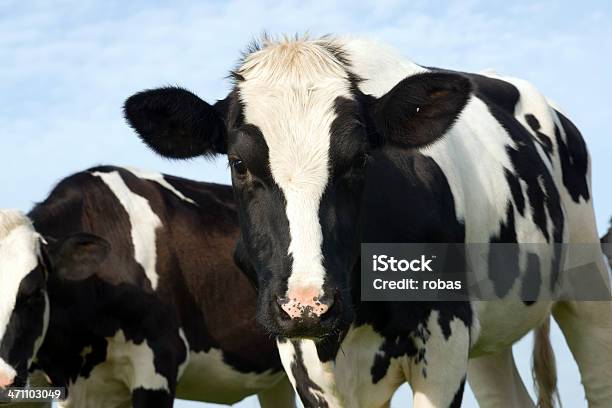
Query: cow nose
304	303
6	380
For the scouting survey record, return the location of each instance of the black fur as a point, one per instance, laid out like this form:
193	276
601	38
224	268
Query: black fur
574	159
176	123
421	108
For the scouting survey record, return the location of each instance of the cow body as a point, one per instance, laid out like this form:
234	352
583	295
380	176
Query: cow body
333	142
167	313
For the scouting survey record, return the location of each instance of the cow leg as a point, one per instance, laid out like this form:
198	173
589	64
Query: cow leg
587	327
307	374
437	377
484	374
279	396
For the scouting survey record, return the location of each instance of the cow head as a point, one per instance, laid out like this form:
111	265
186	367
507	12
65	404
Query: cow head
27	263
298	134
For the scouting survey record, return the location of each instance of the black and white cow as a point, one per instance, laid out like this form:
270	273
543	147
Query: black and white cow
336	141
153	309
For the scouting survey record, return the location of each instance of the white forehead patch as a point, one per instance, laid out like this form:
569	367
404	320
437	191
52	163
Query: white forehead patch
159	179
289	90
143	220
19	253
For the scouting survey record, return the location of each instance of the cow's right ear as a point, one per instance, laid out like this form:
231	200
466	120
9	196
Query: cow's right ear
176	123
78	256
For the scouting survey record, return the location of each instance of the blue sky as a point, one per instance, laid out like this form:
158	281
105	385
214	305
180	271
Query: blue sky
67	66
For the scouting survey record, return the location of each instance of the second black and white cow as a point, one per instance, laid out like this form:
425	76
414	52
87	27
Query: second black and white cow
150	307
335	141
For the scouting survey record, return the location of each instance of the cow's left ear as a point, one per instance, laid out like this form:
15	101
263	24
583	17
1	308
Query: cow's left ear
78	256
420	109
176	123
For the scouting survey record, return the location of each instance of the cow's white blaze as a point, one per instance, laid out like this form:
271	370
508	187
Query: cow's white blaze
289	91
143	220
19	252
161	180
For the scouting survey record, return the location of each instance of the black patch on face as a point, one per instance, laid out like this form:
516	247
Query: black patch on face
26	324
456	403
247	143
532	280
307	389
544	140
260	204
574	160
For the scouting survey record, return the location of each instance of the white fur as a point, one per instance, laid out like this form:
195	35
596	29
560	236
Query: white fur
208	378
19	255
143	220
446	365
19	252
159	179
288	91
127	366
6	372
321	374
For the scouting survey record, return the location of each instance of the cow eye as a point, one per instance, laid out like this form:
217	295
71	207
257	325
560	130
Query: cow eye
238	166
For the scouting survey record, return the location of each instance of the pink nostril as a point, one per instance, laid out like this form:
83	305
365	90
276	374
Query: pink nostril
303	303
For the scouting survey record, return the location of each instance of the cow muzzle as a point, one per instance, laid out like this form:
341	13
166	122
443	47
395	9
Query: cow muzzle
7	375
304	303
306	314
